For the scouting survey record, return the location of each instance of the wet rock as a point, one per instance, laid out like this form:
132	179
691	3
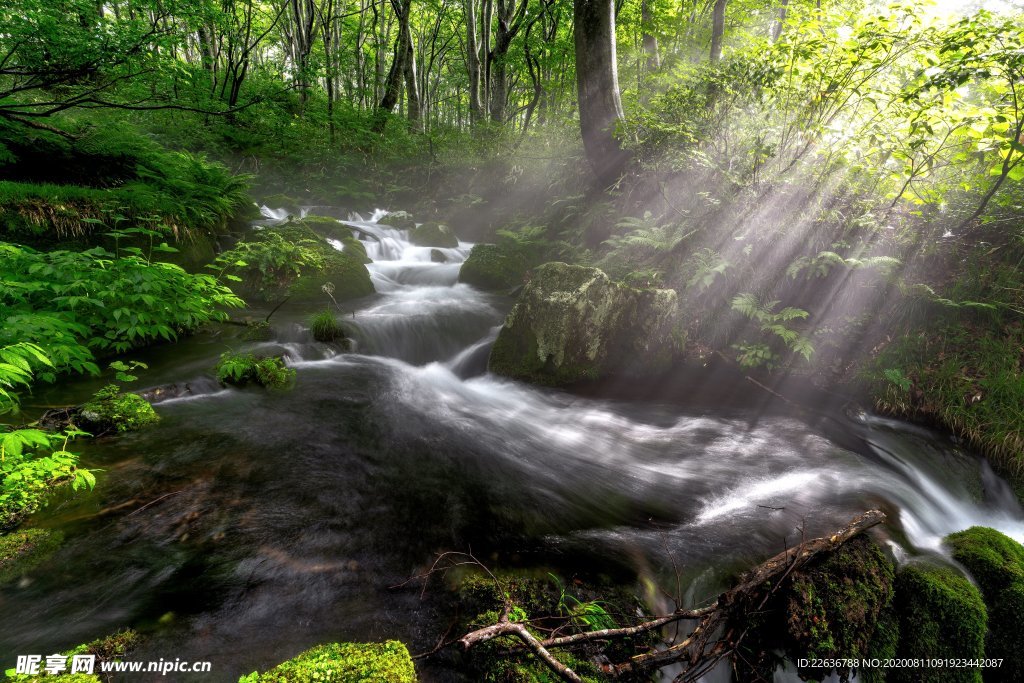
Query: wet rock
573	323
433	234
400	220
437	256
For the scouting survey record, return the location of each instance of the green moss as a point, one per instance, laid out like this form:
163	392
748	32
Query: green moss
433	234
257	330
112	410
400	220
22	550
941	614
997	563
241	369
387	662
494	267
833	606
325	328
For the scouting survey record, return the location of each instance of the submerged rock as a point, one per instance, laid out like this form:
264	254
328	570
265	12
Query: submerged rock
400	220
387	662
996	562
573	323
433	234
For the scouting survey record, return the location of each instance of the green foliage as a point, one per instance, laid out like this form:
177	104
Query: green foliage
111	410
996	562
18	363
21	551
941	615
272	260
386	662
73	303
771	322
240	369
33	463
325	327
705	265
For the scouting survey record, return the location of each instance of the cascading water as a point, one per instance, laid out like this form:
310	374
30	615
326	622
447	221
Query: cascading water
249	525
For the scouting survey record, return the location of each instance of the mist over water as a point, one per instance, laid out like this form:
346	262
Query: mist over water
261	523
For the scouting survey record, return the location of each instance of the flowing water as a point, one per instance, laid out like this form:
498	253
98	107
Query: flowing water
250	525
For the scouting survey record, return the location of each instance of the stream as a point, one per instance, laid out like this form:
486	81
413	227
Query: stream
249	525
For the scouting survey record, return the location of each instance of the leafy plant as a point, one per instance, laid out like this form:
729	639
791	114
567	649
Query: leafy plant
241	369
325	328
34	463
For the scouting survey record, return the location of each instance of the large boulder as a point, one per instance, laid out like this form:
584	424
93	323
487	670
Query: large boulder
494	267
573	323
433	234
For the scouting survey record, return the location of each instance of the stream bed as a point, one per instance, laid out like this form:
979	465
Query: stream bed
249	525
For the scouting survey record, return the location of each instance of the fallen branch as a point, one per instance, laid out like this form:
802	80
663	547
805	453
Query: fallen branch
703	647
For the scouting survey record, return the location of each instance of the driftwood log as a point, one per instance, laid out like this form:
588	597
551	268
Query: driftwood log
714	637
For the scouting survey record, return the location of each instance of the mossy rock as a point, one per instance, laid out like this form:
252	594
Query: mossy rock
356	249
433	234
572	323
280	200
387	662
437	256
996	562
345	271
400	220
22	550
325	226
941	614
113	410
494	267
833	606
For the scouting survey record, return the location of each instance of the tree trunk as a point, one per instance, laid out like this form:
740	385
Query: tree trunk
717	30
597	87
412	88
476	109
780	22
393	82
647	39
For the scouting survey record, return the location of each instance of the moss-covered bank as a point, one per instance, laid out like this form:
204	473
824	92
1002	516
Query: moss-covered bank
22	550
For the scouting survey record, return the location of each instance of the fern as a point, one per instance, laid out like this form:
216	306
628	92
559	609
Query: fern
707	265
771	322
